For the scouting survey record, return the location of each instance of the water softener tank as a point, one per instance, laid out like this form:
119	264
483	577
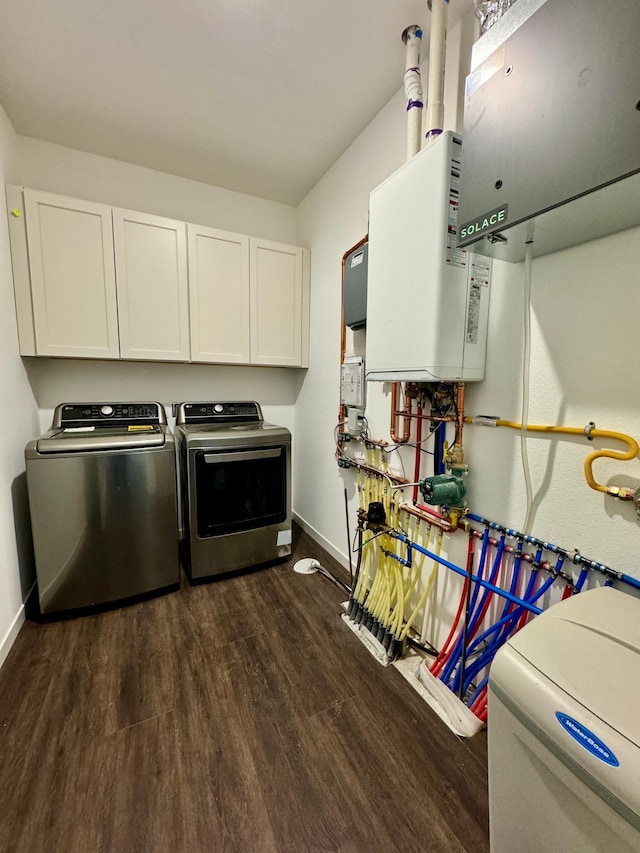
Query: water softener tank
564	730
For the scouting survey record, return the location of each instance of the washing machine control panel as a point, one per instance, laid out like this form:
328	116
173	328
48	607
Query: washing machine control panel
94	414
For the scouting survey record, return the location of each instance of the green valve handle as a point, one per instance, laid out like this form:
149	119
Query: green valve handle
443	490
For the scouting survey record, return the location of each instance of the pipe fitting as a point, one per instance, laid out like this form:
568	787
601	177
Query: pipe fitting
455	456
622	493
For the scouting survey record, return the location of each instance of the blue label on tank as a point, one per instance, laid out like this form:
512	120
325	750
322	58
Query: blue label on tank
587	739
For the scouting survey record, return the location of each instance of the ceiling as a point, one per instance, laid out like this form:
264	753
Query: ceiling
255	96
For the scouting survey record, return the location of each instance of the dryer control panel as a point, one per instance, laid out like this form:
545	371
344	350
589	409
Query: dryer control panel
219	412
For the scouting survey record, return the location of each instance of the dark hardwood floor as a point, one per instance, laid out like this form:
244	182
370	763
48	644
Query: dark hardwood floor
242	715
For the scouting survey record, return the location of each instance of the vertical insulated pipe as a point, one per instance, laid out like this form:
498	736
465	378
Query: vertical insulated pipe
435	82
412	37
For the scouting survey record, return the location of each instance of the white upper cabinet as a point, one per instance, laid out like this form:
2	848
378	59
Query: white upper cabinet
92	281
70	250
219	295
279	277
151	278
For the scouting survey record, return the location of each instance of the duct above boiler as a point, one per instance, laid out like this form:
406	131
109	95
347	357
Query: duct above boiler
551	128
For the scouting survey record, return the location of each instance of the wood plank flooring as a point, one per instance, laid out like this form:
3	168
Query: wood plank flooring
242	715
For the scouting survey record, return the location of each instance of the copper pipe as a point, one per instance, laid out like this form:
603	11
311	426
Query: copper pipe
395	413
459	413
436	521
376	472
418	456
445	419
442	523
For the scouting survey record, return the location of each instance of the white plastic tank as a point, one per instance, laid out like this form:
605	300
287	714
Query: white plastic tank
564	730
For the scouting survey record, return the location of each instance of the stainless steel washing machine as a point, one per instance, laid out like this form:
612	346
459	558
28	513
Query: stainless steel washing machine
102	496
235	488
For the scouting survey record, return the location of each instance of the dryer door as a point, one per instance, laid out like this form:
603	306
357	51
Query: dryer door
238	490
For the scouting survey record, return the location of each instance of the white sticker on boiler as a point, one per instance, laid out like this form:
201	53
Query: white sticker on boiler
284	537
357	260
473	314
480	270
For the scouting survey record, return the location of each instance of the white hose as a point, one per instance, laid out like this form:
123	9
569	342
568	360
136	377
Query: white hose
435	83
412	37
526	368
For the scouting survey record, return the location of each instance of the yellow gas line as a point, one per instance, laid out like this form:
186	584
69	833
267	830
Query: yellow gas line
620	492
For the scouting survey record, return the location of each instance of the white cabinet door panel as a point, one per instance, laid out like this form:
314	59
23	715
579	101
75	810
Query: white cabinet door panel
276	303
151	276
70	246
219	295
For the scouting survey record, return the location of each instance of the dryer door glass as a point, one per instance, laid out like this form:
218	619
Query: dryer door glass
240	490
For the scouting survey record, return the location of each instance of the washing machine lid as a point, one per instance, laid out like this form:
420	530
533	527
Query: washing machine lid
94	439
589	647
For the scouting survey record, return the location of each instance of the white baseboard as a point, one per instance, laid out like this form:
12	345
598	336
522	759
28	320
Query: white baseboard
9	638
343	559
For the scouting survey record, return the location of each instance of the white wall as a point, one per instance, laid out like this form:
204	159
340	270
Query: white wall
54	381
585	315
19	424
57	169
586	310
332	218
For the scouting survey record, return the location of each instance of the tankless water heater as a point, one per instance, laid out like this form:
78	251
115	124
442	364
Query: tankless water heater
428	301
552	128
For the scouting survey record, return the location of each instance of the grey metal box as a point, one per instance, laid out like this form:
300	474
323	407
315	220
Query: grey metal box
552	115
355	287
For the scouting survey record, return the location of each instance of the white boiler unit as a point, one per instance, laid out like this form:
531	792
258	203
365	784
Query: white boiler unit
427	301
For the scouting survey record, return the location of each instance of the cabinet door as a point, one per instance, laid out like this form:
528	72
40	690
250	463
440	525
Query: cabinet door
70	247
218	295
279	304
151	277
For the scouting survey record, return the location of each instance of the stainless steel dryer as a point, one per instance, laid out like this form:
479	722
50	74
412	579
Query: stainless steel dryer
235	488
102	496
